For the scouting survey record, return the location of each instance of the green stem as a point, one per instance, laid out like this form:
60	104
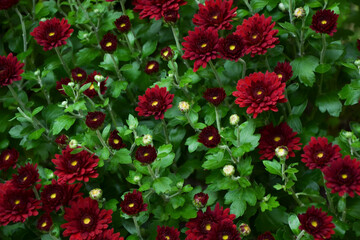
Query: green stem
59	7
285	179
322	56
291	12
215	73
343	215
121	78
230	153
137	227
249	6
178	45
123	9
36	193
328	196
33	8
244	67
165	131
151	172
98	134
288	105
45	92
301	234
302	38
23	32
67	70
267	63
217	119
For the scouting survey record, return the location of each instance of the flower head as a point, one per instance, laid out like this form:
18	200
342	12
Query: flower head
27	176
59	85
10	69
6	4
215	13
258	33
146	154
273	137
85	220
299	12
215	95
266	236
8	159
244	229
108	235
156	8
234	119
133	203
115	141
147	139
44	223
260	92
151	67
96	193
201	45
319	153
283	71
78	74
171	16
200	199
317	223
184	106
108	43
52	33
228	170
167	53
209	136
167	233
79	166
123	24
91	92
226	229
154	102
62	140
232	47
324	21
94	120
343	176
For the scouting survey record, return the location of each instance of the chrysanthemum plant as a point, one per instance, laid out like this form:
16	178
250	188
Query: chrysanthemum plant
174	119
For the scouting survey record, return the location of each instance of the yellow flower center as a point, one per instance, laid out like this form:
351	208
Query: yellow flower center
203	45
74	163
254	36
131	205
314	223
259	92
166	53
214	97
52	196
79	75
232	47
276	139
344	176
86	220
24	179
95	119
43	224
116	141
208	227
146	154
225	237
211	138
51	34
323	22
17	202
109	44
91	87
123	25
320	155
154	103
151	66
215	17
167	237
280	76
7	157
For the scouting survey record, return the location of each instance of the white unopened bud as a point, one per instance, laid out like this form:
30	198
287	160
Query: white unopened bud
99	78
180	184
43	19
299	12
228	170
184	106
137	178
147	139
86	35
282	7
95	194
71	84
37	73
347	134
357	63
64	104
73	144
234	119
281	152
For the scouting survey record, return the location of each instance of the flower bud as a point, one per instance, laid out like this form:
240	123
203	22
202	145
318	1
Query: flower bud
167	53
99	78
299	12
234	119
96	194
184	106
64	103
282	7
137	178
37	73
347	134
180	184
244	229
281	152
73	144
357	63
147	139
71	84
228	170
62	141
200	200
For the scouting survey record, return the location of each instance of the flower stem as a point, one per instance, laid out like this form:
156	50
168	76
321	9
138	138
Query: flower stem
121	78
178	45
244	67
285	179
98	134
165	131
290	12
343	216
36	193
23	32
249	7
217	119
137	227
301	234
67	70
328	195
151	172
322	56
215	73
301	46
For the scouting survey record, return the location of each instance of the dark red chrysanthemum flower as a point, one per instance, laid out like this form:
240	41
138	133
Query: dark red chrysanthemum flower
209	136
201	199
108	235
115	141
319	153
154	102
6	4
52	33
62	141
27	176
324	21
123	24
63	81
109	43
85	219
226	229
78	74
146	154
266	236
167	53
133	203
232	47
215	13
258	33
317	223
10	69
151	67
260	92
94	120
156	8
16	205
201	45
91	92
215	95
167	233
358	44
283	71
273	137
343	176
79	166
200	226
44	223
8	159
171	16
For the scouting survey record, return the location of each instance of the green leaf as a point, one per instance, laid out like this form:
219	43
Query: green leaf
122	156
351	92
164	150
238	204
214	161
132	122
273	167
86	55
294	224
288	27
304	68
111	204
323	68
62	122
36	134
162	185
329	102
192	143
177	202
37	110
250	196
148	48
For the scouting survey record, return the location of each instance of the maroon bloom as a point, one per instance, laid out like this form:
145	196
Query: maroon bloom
258	33
319	153
151	67
27	176
232	47
324	21
200	227
317	223
146	154
63	81
133	203
201	45
85	219
266	236
154	102
72	167
8	159
167	233
215	95
78	74
16	205
10	69
6	4
94	120
109	43
226	229
209	136
167	53
91	92
156	8
115	141
52	33
108	235
123	24
260	92
273	137
44	223
62	140
215	13
343	176
283	71
358	44
171	16
201	199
